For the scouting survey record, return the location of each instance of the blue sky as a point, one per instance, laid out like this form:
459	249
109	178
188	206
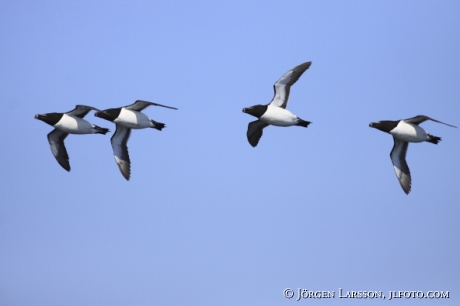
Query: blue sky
206	219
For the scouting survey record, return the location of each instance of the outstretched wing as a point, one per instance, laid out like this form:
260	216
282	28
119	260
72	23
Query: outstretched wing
81	111
422	118
283	86
255	131
139	105
56	140
398	157
120	150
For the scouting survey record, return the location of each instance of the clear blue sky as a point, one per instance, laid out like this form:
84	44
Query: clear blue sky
206	219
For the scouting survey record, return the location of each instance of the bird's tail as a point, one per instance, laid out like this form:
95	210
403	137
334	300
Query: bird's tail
433	139
301	122
157	125
99	130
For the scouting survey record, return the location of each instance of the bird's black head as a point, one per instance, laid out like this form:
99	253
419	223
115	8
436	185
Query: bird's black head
50	118
256	110
108	114
384	125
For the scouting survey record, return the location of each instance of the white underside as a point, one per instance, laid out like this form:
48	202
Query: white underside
409	132
133	119
74	125
278	116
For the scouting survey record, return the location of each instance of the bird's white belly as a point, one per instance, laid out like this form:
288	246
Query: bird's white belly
409	132
74	125
278	116
133	119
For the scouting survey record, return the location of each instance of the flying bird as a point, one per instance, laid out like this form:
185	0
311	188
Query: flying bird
127	118
68	123
275	112
405	131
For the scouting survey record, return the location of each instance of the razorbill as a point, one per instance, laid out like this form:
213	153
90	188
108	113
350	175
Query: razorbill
68	123
127	118
275	112
405	131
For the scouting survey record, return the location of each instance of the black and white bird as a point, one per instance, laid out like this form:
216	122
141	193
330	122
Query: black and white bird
127	118
405	131
275	112
68	123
